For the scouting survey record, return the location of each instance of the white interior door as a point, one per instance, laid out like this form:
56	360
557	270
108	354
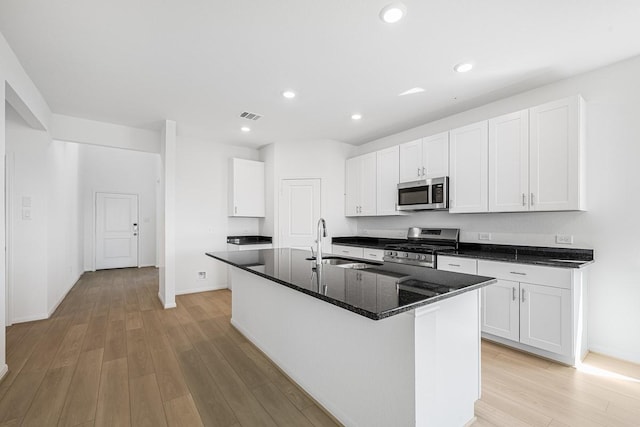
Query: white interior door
116	230
299	212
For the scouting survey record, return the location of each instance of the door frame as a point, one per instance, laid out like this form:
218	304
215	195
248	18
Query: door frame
94	223
9	167
277	222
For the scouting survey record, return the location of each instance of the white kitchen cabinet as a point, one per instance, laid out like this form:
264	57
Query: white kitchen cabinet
246	188
457	265
556	151
536	309
500	307
468	167
425	158
361	178
349	251
388	174
509	162
373	254
411	161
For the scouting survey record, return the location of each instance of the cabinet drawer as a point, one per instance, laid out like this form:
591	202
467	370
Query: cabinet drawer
457	265
347	251
373	254
548	276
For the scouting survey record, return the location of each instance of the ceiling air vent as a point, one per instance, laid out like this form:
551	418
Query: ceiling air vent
250	116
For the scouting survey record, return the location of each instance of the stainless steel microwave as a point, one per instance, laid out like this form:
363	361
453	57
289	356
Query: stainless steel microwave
425	194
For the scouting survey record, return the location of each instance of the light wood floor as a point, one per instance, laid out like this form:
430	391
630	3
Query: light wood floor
111	356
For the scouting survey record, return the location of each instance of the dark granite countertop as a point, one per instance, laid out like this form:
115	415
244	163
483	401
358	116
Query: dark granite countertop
535	255
378	292
249	240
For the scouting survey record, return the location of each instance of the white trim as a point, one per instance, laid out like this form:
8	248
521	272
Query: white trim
204	289
9	223
31	318
164	304
615	353
3	371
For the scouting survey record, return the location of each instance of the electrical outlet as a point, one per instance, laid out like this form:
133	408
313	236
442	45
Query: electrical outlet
484	236
202	275
565	239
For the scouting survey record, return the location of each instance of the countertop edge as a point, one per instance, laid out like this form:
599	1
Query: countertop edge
555	264
364	313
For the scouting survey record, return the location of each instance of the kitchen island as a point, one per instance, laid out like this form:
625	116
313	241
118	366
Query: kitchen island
384	345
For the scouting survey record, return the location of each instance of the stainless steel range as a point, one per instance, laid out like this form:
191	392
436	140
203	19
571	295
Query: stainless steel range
422	246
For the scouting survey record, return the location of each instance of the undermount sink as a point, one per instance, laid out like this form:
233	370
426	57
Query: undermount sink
344	263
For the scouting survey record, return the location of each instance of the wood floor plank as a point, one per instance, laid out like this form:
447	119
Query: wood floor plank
16	401
48	402
81	401
138	355
113	407
245	406
210	402
168	374
279	407
71	346
134	320
182	412
96	333
49	345
244	367
115	341
146	403
318	417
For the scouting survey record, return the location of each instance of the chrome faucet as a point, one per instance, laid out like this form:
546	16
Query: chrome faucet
322	232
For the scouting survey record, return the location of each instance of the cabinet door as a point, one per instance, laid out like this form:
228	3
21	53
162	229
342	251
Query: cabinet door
367	187
248	188
388	165
509	162
411	161
554	155
352	190
457	265
545	318
469	169
500	309
349	251
435	155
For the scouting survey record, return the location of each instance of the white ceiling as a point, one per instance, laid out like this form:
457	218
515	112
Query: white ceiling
203	62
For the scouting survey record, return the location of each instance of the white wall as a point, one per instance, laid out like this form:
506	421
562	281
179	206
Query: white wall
610	226
201	221
113	170
74	129
310	159
45	260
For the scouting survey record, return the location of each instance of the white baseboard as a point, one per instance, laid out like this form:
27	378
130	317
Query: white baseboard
615	353
3	371
30	318
203	289
63	296
164	304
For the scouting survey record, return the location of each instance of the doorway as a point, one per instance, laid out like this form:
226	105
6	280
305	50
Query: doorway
299	211
116	244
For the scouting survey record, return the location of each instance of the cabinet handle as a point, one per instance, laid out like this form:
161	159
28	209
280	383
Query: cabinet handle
523	295
532	199
373	255
514	293
454	265
345	252
518	273
524	202
418	171
423	170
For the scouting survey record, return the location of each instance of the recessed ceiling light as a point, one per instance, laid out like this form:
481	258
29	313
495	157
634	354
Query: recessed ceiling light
463	67
411	91
393	12
289	94
245	129
356	116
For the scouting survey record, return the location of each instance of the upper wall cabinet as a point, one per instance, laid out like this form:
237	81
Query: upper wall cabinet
535	158
361	177
425	158
509	162
468	169
388	165
246	188
556	151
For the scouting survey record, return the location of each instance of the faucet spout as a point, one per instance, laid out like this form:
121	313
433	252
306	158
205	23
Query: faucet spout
322	232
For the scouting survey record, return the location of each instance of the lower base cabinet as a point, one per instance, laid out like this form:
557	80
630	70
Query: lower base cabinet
536	309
